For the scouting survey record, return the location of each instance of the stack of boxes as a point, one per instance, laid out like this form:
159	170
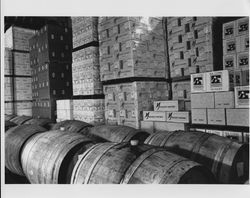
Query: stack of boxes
133	66
50	58
167	116
236	50
17	71
192	49
215	101
87	102
64	110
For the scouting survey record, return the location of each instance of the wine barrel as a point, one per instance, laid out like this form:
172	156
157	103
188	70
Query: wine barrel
118	133
8	117
114	163
8	125
20	119
44	122
73	126
15	138
49	158
227	159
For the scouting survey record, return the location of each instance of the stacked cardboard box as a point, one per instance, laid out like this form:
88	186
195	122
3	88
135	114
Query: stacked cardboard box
84	30
132	47
236	50
86	72
167	116
50	58
64	110
124	102
191	45
17	71
89	110
215	101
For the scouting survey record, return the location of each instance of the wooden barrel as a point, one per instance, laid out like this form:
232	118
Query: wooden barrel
15	138
118	133
114	163
74	126
20	119
8	125
227	159
44	122
8	117
49	158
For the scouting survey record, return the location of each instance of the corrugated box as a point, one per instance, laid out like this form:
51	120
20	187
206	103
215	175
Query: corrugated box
202	100
216	116
199	116
224	99
242	43
147	126
198	82
243	60
229	46
229	30
170	126
241	96
170	105
181	90
233	135
218	81
18	38
179	117
242	26
237	117
154	116
229	62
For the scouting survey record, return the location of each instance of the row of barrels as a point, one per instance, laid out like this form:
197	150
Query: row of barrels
76	152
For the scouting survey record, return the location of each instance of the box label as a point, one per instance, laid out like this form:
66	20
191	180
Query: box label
182	117
154	116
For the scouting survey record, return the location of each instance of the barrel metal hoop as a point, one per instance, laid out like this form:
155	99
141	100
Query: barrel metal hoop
198	144
150	138
164	141
91	169
219	158
133	167
79	162
171	166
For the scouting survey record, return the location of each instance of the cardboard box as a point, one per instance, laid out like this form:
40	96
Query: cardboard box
229	46
199	116
224	99
241	96
202	100
170	126
216	116
243	60
242	43
198	82
154	116
242	26
237	117
218	81
147	126
229	62
237	136
229	30
179	117
170	105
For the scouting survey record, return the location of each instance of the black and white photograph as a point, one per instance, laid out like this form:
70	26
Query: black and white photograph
124	99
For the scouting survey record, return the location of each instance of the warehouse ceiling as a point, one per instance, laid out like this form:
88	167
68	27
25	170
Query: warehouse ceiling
38	22
34	22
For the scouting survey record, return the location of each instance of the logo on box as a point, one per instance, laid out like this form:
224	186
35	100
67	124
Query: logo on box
198	81
243	94
158	105
229	31
147	115
216	79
